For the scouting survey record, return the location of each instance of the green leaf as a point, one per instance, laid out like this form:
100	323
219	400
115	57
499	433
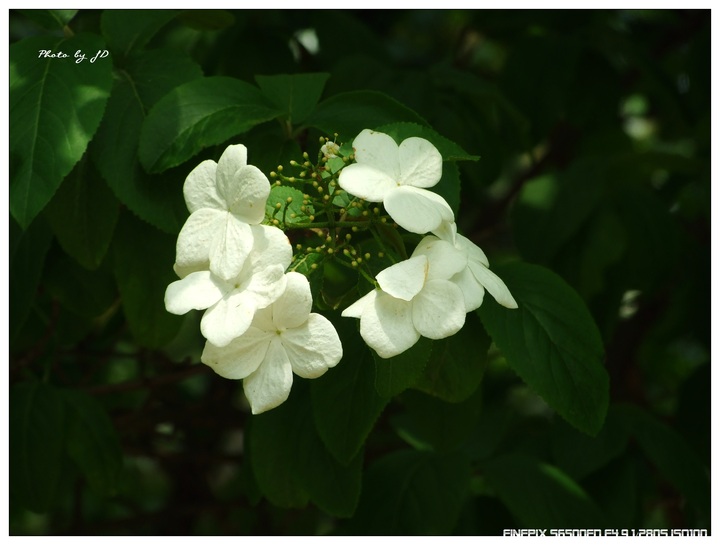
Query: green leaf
143	273
130	29
55	107
268	147
540	495
92	442
83	214
37	439
296	95
86	293
273	438
344	400
349	113
579	455
412	493
430	423
303	263
456	365
672	455
552	342
396	374
50	19
145	79
279	195
291	464
27	258
333	487
199	114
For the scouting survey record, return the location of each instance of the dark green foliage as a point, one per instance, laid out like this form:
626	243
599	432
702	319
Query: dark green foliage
576	152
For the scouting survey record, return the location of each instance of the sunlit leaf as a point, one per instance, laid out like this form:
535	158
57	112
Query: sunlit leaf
199	114
296	94
55	107
146	78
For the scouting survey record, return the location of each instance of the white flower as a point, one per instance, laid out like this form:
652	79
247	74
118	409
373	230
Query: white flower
224	200
231	304
397	176
475	277
415	298
283	338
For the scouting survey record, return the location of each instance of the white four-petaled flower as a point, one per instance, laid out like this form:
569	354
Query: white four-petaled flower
475	277
231	304
224	200
283	338
398	177
415	298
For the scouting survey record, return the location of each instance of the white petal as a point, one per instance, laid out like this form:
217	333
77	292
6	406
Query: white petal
417	210
230	247
420	163
446	231
228	318
439	309
266	285
293	307
196	237
263	320
473	251
356	309
472	290
313	347
233	159
246	193
270	247
387	327
183	271
239	358
444	260
270	385
378	150
366	182
198	291
200	190
404	280
493	284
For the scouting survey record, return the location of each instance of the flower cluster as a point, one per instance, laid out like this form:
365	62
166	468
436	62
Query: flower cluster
446	276
257	318
258	321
